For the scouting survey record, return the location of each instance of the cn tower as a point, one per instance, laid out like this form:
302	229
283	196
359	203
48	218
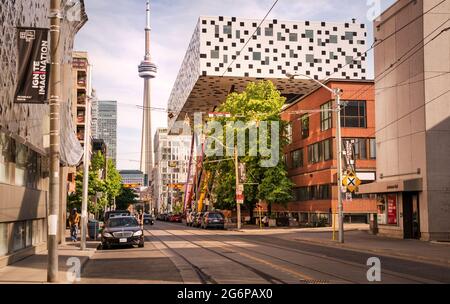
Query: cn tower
147	71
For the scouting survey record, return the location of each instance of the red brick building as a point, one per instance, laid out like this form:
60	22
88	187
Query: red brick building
311	156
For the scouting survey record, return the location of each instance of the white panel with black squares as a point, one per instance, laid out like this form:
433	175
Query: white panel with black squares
317	49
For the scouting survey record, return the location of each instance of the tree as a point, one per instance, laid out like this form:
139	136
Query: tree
101	191
259	102
126	198
113	182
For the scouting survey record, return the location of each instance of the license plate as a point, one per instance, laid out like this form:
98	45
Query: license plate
123	240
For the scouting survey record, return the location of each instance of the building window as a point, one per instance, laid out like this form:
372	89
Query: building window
257	56
387	209
297	159
309	34
363	148
269	31
6	157
227	30
324	192
215	54
309	58
293	37
19	235
21	165
3	239
289	133
326	116
354	115
328	149
321	151
314	153
305	126
373	148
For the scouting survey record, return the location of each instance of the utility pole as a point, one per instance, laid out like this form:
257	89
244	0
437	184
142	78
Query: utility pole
337	93
238	205
86	160
55	95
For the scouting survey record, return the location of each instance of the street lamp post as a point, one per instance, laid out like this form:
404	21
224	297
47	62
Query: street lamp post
337	94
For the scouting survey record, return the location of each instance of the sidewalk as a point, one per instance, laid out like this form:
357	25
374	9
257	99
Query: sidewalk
429	252
33	270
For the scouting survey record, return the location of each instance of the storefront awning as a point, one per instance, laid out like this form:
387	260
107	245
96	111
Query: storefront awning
411	185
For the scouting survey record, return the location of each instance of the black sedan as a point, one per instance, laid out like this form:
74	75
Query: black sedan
122	231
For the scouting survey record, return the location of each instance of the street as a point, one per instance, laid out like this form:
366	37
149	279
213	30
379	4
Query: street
174	253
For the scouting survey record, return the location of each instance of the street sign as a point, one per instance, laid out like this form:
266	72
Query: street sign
351	182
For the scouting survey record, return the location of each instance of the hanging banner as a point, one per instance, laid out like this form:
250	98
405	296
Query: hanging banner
33	65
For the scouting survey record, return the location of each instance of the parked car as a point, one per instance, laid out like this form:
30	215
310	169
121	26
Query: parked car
167	217
149	219
122	231
198	220
175	218
213	220
160	217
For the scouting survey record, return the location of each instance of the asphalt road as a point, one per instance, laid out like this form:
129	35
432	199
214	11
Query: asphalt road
174	253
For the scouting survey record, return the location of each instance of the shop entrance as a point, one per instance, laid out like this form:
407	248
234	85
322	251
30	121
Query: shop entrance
411	216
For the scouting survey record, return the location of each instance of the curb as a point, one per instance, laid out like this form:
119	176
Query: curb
438	262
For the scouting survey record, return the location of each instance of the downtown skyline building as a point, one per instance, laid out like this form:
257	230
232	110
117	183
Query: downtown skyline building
107	127
172	154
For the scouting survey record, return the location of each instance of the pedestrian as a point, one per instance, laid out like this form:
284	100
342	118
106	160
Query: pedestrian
74	222
141	218
265	221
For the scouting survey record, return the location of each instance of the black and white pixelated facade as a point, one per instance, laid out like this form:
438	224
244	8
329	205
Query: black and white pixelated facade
213	65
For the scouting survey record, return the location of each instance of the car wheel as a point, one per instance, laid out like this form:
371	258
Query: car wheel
141	245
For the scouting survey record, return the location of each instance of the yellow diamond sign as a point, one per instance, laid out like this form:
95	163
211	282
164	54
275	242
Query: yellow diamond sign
351	182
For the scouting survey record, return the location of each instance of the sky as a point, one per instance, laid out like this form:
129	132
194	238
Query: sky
114	39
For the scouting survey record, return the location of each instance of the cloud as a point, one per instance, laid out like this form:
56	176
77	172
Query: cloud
114	38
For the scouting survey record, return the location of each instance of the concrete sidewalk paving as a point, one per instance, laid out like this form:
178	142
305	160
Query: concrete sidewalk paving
362	241
33	269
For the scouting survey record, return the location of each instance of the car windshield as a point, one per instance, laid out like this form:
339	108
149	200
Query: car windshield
122	222
215	216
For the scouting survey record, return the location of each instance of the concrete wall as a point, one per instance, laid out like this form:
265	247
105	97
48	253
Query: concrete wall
412	62
437	118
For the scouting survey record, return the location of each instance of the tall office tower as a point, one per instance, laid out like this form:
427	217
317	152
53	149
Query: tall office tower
147	71
107	127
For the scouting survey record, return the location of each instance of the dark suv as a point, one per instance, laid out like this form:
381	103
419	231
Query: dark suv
213	220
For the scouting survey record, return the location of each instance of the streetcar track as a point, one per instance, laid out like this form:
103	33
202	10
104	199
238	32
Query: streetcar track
286	261
203	276
267	277
387	272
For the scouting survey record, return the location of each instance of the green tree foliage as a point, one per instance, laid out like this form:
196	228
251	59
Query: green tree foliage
126	198
259	102
101	191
